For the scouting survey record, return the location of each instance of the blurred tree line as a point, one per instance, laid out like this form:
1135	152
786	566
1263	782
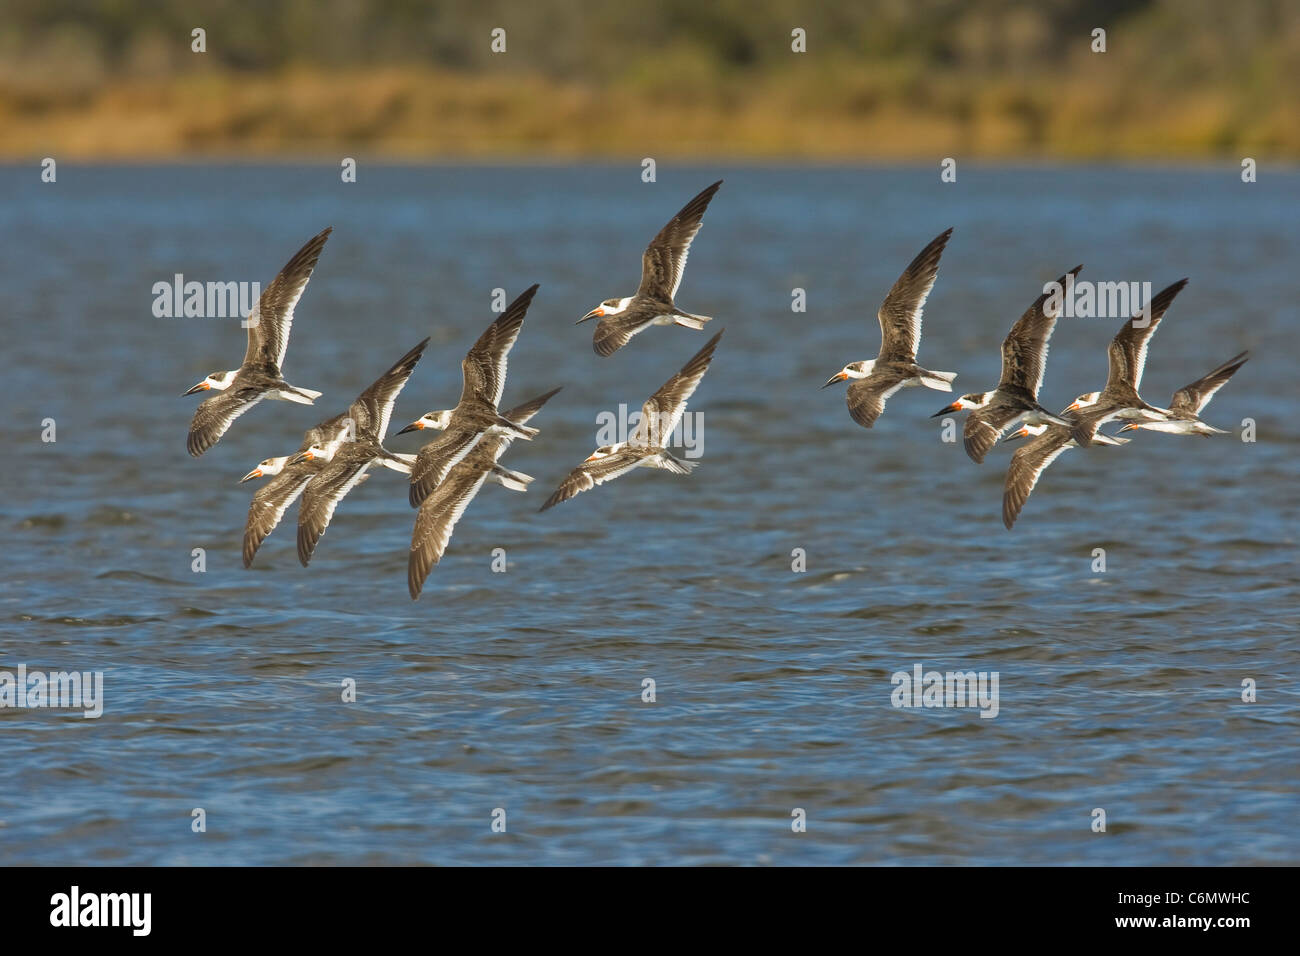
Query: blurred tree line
992	76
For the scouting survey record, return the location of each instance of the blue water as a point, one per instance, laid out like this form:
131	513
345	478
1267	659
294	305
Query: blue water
521	690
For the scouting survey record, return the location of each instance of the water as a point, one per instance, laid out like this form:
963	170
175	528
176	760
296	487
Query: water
522	690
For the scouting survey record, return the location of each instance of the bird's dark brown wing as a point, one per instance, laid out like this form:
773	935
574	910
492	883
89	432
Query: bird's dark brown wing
664	409
436	459
321	497
615	331
216	414
484	366
270	503
984	427
592	473
1194	397
866	397
271	319
437	519
900	313
1024	350
1027	464
664	260
1127	351
374	407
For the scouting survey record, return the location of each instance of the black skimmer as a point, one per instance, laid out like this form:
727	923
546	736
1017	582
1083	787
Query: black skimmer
287	482
1185	407
345	456
443	508
900	334
1032	459
484	378
1127	355
662	266
645	448
259	376
1024	359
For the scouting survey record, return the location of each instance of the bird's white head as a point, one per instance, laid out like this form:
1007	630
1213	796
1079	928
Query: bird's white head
267	468
1025	431
436	420
1083	401
324	450
604	451
318	451
217	381
608	307
852	370
967	403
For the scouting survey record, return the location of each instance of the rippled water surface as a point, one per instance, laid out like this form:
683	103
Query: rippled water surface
522	690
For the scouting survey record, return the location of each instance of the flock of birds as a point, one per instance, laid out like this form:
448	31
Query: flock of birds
1024	360
446	474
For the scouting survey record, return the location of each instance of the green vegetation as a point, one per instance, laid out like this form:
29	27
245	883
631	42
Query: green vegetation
1180	79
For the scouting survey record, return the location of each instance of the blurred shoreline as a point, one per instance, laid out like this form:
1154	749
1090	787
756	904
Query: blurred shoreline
775	81
795	115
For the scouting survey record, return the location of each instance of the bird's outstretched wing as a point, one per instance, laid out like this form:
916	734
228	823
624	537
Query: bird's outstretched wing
484	366
322	496
592	473
664	409
272	318
900	313
216	414
664	260
1194	397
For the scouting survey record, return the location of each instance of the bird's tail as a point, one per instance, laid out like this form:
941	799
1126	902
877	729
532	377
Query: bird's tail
939	381
300	396
515	430
688	321
676	465
399	463
514	480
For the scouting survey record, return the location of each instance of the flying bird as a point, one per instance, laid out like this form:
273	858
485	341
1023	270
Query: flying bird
1030	460
357	444
287	482
875	380
259	376
475	415
662	266
1185	407
443	508
1127	355
646	447
1024	359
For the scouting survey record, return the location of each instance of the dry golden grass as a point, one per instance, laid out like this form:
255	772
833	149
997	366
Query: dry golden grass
825	111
